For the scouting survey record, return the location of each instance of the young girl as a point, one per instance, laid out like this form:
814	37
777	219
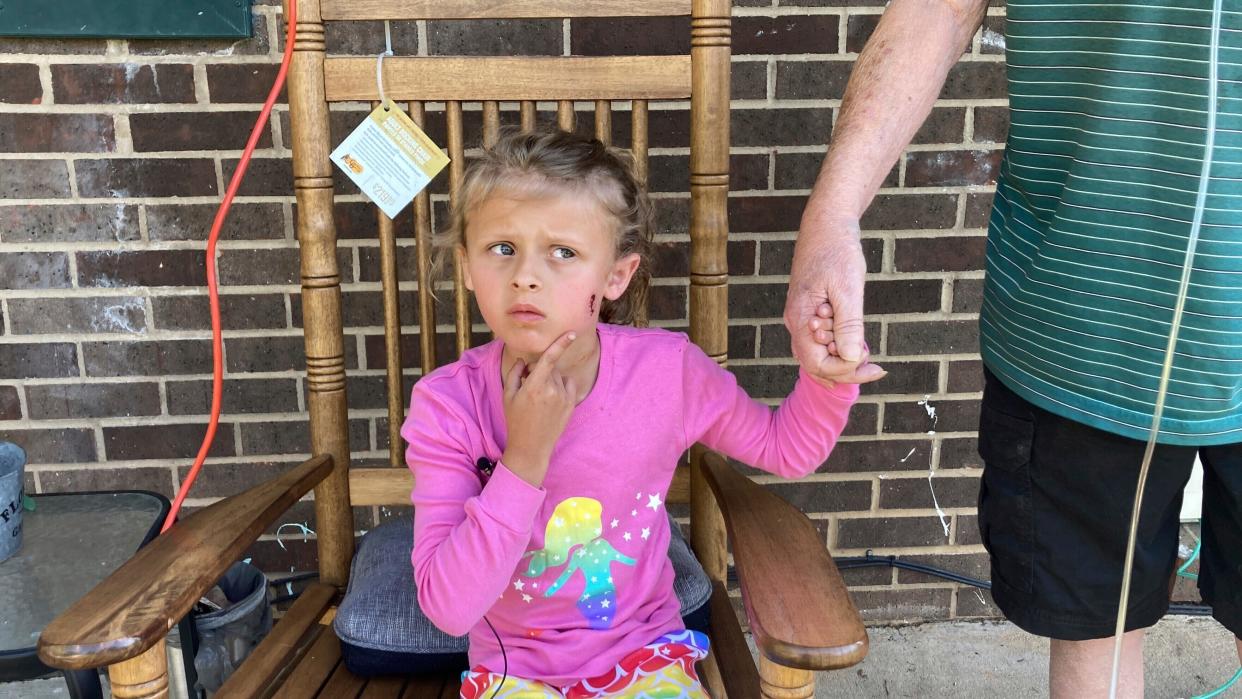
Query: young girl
542	459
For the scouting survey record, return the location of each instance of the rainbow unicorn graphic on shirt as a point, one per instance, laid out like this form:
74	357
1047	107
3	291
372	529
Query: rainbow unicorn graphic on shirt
574	536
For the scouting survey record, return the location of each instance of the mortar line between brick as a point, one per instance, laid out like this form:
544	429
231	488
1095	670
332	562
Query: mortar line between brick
120	464
162	386
124	135
45	83
278	136
202	94
144	230
286	210
73	271
904	551
787	11
174	477
153	246
843	30
218	163
275	24
72	170
101	451
898	587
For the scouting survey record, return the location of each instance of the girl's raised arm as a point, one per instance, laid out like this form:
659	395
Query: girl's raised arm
791	441
468	538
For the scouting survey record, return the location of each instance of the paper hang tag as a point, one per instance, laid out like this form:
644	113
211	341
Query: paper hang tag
389	158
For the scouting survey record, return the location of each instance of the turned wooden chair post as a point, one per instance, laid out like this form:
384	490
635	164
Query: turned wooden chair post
143	677
321	293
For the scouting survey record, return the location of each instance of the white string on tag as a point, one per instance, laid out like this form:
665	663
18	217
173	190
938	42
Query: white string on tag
379	64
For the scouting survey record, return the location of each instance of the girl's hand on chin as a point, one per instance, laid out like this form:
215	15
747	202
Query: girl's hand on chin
538	404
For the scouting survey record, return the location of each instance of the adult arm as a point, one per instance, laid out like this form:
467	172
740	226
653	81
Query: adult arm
889	95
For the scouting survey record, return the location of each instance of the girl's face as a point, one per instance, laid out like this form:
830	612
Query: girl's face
541	266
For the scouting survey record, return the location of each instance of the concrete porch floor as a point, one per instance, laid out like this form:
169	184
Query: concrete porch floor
1185	657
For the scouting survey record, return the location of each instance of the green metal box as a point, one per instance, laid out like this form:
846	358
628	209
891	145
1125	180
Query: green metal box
126	19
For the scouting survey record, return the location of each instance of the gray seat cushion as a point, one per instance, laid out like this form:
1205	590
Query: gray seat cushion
380	609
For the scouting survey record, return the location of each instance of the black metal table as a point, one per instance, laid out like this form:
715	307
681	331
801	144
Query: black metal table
71	542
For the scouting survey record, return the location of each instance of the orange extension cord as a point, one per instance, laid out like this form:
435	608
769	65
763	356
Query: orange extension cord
217	345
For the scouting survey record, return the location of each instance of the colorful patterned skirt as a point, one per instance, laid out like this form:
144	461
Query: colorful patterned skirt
660	670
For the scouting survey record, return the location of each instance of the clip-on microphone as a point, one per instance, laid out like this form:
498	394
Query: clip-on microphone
486	466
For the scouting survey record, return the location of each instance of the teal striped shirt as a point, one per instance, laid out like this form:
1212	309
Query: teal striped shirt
1091	222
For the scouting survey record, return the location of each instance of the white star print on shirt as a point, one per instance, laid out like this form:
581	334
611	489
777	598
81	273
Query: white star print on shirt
527	598
646	533
633	513
654	501
627	536
519	585
638	496
604	604
615	523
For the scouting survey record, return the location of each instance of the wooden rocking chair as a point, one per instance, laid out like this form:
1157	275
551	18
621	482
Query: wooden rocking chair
796	603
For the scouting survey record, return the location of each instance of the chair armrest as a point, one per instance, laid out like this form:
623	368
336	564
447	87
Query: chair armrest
134	608
799	610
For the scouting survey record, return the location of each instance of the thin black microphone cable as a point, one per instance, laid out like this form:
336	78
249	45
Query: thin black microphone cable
504	675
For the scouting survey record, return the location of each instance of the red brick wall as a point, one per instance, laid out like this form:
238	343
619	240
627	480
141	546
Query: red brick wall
115	154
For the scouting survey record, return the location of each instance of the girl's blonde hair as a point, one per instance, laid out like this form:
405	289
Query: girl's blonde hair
546	162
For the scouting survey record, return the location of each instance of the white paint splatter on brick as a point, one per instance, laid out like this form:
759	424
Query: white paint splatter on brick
992	39
931	409
944	520
120	317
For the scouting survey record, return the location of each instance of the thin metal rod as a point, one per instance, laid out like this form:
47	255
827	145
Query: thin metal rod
1169	353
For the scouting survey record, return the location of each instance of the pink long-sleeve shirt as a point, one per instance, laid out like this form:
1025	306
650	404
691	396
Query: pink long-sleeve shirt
575	575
